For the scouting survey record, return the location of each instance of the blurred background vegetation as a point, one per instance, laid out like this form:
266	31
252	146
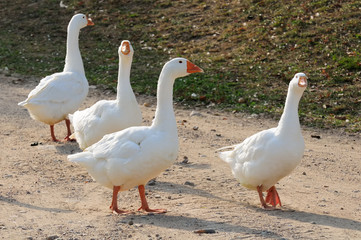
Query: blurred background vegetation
249	49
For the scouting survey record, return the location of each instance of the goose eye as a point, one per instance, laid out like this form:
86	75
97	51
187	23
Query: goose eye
180	61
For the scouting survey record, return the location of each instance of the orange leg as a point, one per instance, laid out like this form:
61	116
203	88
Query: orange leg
145	206
52	133
67	137
263	202
272	197
114	205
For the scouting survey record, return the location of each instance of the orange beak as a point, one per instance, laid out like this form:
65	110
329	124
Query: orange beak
125	48
302	82
90	22
192	68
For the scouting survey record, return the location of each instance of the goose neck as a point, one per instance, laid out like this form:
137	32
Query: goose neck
124	87
164	115
73	60
289	123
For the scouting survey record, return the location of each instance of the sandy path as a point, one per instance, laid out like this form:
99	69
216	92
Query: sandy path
43	196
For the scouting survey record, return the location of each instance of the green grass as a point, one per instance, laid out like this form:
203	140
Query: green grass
249	50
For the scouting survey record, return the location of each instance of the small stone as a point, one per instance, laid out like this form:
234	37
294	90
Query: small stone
241	100
194	95
52	237
6	71
304	173
146	104
17	81
195	128
189	183
131	222
185	160
195	113
152	182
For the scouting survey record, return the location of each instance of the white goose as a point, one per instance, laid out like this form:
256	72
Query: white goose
104	117
264	158
61	93
133	156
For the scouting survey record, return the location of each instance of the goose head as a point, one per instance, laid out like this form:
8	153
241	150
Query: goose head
181	67
125	49
80	21
299	83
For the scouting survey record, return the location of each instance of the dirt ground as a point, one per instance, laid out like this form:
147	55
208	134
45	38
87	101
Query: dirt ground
43	196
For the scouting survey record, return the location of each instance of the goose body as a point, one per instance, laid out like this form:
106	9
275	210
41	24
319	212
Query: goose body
107	116
120	158
61	93
264	158
133	156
